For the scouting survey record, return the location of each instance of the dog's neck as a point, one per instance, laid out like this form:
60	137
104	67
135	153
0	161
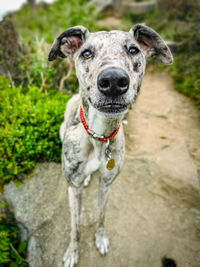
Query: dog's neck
100	124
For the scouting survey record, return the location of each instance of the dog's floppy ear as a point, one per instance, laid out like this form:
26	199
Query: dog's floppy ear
68	42
151	43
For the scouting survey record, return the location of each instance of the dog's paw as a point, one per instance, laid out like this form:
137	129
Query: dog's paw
102	242
87	181
71	256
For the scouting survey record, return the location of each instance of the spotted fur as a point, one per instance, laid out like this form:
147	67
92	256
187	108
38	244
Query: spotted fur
81	154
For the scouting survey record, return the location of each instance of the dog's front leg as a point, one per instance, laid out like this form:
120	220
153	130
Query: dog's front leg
102	242
71	255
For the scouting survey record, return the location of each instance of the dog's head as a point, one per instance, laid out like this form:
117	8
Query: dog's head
110	65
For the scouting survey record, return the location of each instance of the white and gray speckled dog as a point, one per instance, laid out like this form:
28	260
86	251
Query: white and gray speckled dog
110	67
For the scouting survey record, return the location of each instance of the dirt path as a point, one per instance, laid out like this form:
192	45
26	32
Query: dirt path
160	116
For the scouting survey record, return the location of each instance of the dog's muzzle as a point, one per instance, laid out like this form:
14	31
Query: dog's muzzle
113	82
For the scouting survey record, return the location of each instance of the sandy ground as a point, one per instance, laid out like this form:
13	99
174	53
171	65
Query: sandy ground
159	116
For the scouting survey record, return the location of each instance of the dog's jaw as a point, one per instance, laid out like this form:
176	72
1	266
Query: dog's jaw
101	123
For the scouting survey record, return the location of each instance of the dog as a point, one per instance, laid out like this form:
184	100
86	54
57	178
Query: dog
109	67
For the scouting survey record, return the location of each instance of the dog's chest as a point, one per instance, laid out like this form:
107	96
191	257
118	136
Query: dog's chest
95	156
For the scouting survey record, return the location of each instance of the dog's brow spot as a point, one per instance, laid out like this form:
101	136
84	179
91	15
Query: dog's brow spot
136	66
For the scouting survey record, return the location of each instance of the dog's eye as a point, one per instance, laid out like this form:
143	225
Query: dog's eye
133	50
87	54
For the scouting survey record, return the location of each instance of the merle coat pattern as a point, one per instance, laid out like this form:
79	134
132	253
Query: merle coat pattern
104	102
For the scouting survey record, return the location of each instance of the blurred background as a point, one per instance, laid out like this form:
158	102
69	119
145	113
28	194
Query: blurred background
34	92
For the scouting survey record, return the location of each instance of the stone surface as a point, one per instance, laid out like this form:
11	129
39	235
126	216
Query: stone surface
121	7
101	5
138	8
11	51
41	206
175	162
5	214
150	215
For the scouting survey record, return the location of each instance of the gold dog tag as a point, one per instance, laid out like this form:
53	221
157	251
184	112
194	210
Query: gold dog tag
110	164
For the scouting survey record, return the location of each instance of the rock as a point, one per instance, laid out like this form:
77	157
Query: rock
11	51
41	206
177	167
153	212
121	7
101	5
5	214
138	8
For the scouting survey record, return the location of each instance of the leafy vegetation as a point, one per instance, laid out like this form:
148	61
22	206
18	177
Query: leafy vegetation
29	127
30	119
12	252
45	75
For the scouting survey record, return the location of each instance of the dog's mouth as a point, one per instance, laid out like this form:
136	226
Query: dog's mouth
112	108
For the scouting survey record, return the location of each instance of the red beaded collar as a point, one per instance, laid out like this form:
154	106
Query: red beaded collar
93	134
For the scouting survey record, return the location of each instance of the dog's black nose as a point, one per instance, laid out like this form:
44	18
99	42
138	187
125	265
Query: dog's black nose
113	82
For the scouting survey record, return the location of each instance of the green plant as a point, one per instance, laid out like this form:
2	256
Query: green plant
186	74
12	251
29	129
38	71
47	75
